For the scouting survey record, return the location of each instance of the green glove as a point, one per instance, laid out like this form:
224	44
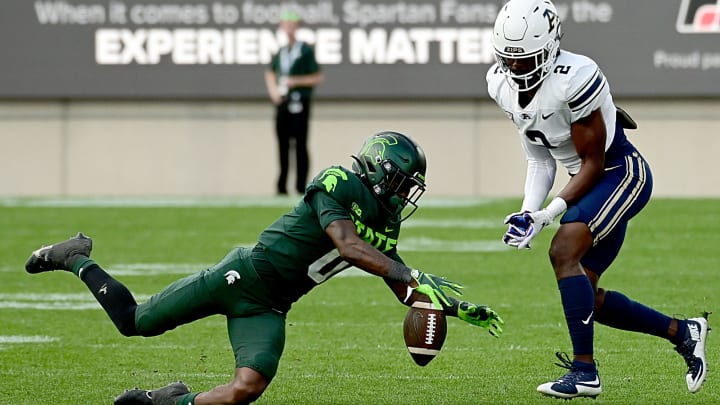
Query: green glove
432	286
480	315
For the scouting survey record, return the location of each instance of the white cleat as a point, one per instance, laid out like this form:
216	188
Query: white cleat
693	351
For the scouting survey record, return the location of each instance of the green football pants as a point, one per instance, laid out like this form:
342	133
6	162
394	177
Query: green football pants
231	288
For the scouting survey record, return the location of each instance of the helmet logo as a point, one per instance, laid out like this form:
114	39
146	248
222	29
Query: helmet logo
377	147
552	17
514	49
330	178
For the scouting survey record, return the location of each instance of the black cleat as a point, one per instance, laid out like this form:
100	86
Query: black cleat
59	256
169	394
134	396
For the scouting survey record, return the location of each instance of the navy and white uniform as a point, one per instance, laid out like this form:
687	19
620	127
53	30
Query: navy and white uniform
575	88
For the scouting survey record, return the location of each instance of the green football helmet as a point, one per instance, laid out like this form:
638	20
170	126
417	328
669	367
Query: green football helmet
393	166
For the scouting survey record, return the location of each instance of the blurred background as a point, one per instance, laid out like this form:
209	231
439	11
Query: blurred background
166	98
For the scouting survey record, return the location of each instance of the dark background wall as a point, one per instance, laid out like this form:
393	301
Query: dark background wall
119	49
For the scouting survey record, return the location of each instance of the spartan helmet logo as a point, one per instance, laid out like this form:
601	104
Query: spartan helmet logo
374	150
231	276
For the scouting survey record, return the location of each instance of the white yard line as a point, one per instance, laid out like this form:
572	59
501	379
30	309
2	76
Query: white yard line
206	202
6	341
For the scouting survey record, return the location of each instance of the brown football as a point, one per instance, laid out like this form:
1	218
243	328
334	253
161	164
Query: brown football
424	328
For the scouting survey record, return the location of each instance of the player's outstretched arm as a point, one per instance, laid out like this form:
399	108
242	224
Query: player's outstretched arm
362	255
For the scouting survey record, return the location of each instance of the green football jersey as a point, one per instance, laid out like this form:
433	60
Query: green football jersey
305	64
301	255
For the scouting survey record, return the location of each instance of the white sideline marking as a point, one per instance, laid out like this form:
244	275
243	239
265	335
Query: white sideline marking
27	339
208	202
8	340
49	305
411	244
148	202
151	269
154	269
479	223
437	245
70	302
85	301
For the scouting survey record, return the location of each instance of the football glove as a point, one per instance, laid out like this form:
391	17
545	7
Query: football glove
538	220
432	286
517	228
480	315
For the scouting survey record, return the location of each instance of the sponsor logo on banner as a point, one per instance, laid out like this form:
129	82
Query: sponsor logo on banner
699	17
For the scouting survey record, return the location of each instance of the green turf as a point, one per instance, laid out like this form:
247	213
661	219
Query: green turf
345	342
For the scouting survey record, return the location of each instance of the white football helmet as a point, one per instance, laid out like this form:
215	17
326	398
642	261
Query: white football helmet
526	38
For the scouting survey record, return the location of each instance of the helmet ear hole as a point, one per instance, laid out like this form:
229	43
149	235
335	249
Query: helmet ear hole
371	166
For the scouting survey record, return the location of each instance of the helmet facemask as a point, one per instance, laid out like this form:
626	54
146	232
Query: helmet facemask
393	166
526	79
402	188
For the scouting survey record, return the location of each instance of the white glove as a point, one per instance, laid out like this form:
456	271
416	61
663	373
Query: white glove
540	219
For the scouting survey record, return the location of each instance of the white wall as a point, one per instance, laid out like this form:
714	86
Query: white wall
168	148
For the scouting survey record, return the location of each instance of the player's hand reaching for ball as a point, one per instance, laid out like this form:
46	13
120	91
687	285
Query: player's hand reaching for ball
432	286
480	315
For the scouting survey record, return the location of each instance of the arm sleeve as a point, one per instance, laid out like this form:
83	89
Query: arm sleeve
310	63
492	82
273	65
314	66
539	178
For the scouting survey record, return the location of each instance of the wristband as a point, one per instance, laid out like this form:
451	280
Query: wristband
399	272
556	207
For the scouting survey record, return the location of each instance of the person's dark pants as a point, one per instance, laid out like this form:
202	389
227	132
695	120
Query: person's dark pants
289	126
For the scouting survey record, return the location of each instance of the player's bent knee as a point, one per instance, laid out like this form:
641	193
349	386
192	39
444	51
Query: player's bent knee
247	386
127	330
125	323
559	255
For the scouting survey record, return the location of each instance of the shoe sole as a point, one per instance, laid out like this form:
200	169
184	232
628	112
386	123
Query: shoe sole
568	396
561	395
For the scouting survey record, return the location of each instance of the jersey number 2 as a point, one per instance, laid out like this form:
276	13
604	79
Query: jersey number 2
537	138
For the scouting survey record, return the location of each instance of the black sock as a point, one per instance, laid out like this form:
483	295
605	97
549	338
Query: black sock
114	297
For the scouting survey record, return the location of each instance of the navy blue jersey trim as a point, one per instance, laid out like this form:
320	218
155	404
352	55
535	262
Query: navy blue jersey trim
588	92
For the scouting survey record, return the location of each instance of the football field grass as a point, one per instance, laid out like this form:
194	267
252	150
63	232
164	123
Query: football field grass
344	339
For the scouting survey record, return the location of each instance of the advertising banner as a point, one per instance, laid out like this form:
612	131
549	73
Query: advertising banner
219	49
